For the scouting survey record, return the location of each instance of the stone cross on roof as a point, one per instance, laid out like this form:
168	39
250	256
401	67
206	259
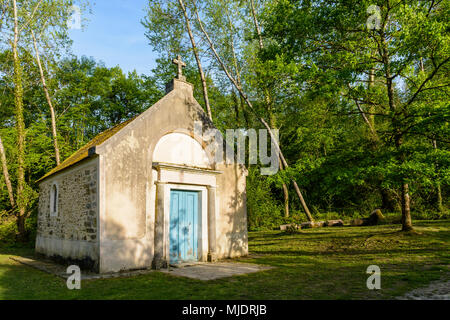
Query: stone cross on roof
180	65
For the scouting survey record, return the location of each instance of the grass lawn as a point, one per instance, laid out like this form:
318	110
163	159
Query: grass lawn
324	263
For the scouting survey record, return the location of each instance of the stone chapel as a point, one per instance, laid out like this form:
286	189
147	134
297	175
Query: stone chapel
145	193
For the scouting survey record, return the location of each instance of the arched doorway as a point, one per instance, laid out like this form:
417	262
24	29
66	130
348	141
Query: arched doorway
186	204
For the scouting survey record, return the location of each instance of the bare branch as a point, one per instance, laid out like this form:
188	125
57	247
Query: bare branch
430	76
31	17
249	104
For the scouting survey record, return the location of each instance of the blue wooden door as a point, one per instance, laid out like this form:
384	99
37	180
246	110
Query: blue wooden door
183	225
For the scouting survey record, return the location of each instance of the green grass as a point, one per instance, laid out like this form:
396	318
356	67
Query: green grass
324	263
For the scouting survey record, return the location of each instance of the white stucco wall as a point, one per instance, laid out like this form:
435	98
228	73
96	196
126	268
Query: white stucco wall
179	148
127	183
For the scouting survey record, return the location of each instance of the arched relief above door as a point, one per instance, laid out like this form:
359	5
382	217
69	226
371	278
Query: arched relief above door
181	149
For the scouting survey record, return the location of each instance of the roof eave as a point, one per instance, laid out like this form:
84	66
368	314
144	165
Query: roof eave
91	154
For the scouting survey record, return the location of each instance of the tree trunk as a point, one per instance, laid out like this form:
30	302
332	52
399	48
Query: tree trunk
372	108
284	186
439	198
271	115
49	100
18	101
405	199
250	106
387	202
197	58
6	174
285	194
300	196
22	234
244	112
236	106
255	20
237	72
398	135
406	211
286	200
438	186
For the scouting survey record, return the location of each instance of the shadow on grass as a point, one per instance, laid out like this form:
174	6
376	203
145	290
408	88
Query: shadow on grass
311	265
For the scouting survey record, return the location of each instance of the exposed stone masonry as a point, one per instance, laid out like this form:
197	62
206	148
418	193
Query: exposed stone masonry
77	206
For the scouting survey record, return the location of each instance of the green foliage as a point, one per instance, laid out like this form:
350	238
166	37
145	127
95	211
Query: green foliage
292	229
8	230
263	211
342	162
307	79
88	98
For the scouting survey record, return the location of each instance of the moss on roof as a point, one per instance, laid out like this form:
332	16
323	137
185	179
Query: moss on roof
83	152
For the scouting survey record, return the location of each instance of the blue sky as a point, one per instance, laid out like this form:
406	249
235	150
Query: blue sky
115	35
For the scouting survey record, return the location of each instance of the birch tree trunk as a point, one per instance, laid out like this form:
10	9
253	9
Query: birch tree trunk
286	195
237	71
197	58
250	106
269	107
49	100
398	136
434	142
6	174
255	20
438	186
18	101
236	106
372	108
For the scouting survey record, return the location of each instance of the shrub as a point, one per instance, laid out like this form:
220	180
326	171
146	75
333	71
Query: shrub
263	211
8	231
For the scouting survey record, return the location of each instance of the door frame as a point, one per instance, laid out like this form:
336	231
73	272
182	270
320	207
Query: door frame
194	230
167	176
202	228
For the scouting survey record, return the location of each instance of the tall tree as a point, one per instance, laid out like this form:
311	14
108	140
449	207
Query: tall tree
21	16
250	106
47	97
269	104
18	101
335	43
6	174
197	58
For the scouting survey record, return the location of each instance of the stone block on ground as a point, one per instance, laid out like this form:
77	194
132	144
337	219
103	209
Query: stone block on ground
375	217
289	226
357	222
312	224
